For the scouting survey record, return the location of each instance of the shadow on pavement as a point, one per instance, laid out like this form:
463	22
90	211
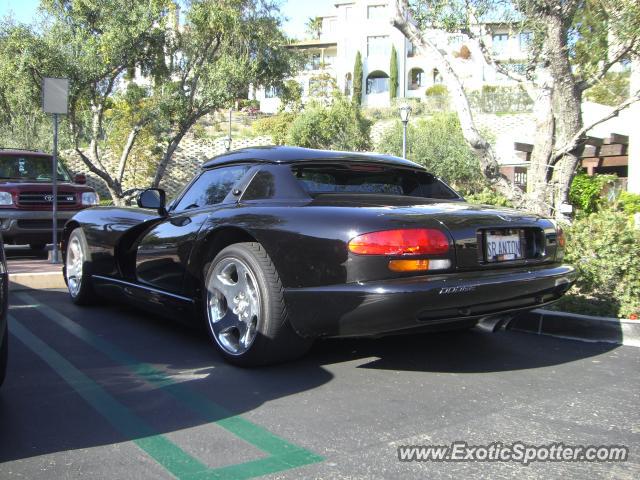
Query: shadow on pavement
40	413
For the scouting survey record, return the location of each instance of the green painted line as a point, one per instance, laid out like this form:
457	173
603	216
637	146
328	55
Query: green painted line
283	455
158	447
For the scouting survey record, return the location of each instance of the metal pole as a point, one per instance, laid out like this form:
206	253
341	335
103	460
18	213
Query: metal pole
230	111
404	139
54	181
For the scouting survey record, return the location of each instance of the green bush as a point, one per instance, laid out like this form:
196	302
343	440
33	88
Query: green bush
487	196
586	191
611	90
437	90
437	143
605	249
629	202
276	126
338	126
500	99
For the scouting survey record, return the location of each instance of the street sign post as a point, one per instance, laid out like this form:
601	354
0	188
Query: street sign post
55	94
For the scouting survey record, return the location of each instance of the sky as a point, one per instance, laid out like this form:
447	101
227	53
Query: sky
296	11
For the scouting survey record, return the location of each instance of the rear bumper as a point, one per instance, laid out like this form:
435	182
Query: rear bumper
371	308
31	226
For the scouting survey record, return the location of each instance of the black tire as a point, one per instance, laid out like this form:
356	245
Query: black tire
4	355
38	247
275	340
81	292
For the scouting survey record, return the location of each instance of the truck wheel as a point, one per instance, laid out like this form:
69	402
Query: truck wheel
78	269
245	310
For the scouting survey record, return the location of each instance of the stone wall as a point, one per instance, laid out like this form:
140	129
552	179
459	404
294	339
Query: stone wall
185	163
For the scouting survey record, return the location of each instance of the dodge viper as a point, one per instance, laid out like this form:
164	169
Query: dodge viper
273	247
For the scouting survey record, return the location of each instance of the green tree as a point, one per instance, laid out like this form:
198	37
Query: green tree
139	80
339	126
357	79
393	74
570	51
437	143
314	27
612	89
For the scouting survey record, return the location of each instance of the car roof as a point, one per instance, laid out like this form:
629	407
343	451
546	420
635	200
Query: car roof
287	155
20	151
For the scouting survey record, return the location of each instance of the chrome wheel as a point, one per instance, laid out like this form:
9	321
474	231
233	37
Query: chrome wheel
233	305
74	264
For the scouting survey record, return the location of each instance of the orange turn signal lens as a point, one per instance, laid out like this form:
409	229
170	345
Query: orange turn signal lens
408	265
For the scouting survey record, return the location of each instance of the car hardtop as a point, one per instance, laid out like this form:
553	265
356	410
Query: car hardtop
20	151
292	155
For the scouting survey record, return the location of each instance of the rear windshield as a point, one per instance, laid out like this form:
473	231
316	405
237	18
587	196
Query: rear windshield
30	167
371	179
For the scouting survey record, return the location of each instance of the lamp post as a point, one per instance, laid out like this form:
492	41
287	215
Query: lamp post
227	141
405	113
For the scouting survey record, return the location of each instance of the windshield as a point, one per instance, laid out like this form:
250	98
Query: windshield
371	179
30	167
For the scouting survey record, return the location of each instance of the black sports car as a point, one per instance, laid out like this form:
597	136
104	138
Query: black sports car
276	246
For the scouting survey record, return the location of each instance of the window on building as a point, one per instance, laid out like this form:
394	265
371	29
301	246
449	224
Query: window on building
329	60
499	42
332	26
378	46
411	50
416	78
348	84
348	13
525	39
272	92
313	62
377	82
377	12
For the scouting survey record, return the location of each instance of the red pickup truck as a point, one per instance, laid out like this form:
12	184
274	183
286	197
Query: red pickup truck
26	197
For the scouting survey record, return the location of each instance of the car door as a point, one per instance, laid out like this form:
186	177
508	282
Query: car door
163	251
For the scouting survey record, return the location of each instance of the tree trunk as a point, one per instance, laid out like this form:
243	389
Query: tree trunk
166	158
539	193
567	106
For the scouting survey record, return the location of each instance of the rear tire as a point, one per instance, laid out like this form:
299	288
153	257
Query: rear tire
78	269
4	355
245	310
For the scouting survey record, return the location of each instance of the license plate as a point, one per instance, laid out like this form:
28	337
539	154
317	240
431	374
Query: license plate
502	247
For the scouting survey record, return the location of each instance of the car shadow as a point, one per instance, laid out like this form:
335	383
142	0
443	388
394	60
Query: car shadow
41	414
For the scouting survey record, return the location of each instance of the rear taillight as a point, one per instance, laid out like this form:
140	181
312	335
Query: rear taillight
401	242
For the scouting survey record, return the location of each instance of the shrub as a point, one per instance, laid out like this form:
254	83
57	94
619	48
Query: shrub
437	90
276	126
438	144
487	196
629	202
611	90
605	249
499	99
339	126
586	191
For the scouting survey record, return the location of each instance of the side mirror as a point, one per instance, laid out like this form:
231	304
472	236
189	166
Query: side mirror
153	198
80	178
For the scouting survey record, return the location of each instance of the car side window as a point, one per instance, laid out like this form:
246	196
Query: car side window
211	187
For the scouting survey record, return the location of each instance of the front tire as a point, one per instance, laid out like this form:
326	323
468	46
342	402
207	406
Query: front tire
245	310
78	269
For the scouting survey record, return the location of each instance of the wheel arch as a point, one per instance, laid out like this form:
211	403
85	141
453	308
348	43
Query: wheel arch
212	244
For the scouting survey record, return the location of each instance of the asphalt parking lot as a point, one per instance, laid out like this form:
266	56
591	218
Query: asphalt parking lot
110	392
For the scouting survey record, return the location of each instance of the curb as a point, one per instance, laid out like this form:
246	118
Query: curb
36	280
578	327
